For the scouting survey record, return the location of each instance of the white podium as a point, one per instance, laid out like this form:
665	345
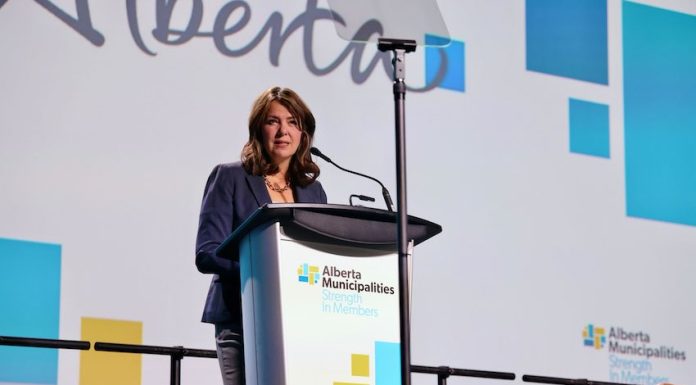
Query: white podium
320	293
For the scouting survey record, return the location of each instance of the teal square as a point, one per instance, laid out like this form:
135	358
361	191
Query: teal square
30	307
387	363
445	55
659	72
589	128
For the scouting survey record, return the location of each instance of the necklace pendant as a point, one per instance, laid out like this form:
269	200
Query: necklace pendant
275	187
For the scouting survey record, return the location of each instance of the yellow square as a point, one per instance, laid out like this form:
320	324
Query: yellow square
107	368
360	365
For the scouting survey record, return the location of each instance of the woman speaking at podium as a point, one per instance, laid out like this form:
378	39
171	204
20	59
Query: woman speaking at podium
275	167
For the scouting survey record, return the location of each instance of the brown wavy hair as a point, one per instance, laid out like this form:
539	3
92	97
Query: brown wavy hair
302	170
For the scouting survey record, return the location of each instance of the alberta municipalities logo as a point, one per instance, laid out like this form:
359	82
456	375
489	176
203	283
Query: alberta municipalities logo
345	291
334	277
634	355
594	336
632	343
308	274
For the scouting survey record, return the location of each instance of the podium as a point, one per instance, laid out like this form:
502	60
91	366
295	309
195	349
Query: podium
320	293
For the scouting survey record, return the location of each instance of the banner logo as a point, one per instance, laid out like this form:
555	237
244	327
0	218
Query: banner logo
333	277
308	274
635	357
594	336
444	65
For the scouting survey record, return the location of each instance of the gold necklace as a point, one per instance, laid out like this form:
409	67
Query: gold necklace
275	187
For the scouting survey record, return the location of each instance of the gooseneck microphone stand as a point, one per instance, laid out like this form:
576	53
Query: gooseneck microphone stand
385	193
400	48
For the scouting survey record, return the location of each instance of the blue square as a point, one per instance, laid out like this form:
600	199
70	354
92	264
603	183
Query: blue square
568	38
589	129
30	307
659	53
387	363
453	53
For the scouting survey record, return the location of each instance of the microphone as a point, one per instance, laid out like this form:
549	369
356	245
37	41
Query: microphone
385	193
364	198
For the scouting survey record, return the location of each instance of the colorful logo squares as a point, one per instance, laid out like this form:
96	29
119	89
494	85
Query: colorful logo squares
594	336
308	274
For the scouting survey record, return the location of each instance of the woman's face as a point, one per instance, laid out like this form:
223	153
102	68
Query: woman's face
281	135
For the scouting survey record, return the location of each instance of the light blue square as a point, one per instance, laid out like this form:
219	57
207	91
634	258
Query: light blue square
387	363
453	52
660	113
30	307
568	38
589	128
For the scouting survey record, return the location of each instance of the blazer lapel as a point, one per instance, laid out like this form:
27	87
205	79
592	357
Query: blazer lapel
258	189
303	195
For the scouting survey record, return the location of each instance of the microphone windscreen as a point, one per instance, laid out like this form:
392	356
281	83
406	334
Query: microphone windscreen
315	151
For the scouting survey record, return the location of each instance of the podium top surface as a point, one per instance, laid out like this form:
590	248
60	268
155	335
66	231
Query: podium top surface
334	224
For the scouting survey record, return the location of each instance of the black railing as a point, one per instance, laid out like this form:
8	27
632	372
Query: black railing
44	343
443	372
565	381
177	353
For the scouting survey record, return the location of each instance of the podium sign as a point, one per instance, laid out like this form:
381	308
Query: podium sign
320	306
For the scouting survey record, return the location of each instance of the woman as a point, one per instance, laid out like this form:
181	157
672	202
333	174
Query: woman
275	167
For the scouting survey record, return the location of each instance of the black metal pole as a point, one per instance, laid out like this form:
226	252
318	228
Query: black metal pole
402	223
44	343
565	381
400	48
175	369
446	371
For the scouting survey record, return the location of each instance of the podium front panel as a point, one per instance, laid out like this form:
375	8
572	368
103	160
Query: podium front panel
318	314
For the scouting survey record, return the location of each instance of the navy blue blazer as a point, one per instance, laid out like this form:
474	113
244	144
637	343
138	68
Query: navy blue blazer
230	196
